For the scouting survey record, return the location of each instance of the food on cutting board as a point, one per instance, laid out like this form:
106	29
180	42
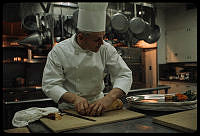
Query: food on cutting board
116	105
54	116
181	97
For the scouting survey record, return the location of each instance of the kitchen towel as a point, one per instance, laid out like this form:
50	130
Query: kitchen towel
24	117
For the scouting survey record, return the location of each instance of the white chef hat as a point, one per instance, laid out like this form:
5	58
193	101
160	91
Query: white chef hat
92	16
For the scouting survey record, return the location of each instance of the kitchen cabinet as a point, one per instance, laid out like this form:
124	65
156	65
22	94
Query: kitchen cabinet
150	63
182	45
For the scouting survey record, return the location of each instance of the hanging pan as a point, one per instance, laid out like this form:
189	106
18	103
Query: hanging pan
119	22
137	25
150	34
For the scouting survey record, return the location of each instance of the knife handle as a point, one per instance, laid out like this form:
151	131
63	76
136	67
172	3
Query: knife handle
116	105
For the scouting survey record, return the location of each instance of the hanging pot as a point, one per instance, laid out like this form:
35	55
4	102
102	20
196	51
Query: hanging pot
119	22
29	23
137	25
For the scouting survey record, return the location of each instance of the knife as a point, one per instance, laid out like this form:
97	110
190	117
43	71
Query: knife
75	115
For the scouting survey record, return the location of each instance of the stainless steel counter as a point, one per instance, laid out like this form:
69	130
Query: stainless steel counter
139	125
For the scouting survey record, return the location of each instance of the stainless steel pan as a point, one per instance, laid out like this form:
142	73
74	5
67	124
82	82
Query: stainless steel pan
137	25
119	22
150	34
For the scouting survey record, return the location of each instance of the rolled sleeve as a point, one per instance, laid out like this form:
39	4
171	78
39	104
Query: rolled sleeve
53	78
55	93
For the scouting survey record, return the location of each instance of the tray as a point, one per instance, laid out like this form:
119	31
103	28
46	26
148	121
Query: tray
156	102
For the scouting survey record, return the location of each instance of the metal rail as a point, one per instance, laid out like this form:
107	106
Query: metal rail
28	101
161	87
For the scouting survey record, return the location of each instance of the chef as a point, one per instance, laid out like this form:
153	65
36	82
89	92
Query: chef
75	68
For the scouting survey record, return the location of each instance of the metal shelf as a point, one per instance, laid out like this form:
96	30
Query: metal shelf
23	88
13	36
28	101
26	61
13	46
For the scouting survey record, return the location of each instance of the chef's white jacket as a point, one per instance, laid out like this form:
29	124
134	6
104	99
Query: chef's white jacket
70	68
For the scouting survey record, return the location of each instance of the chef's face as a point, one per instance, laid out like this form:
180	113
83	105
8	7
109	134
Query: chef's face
93	41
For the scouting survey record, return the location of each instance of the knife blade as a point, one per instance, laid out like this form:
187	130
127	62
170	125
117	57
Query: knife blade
76	115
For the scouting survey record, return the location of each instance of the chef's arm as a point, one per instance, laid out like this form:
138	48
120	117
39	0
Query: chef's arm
115	93
81	104
120	74
70	97
53	78
67	97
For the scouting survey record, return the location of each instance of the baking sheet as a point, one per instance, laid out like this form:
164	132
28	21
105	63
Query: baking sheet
160	105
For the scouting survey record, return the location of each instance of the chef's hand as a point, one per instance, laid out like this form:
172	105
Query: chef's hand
98	107
80	103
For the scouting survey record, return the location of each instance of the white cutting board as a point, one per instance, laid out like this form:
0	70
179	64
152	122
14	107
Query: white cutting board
69	122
